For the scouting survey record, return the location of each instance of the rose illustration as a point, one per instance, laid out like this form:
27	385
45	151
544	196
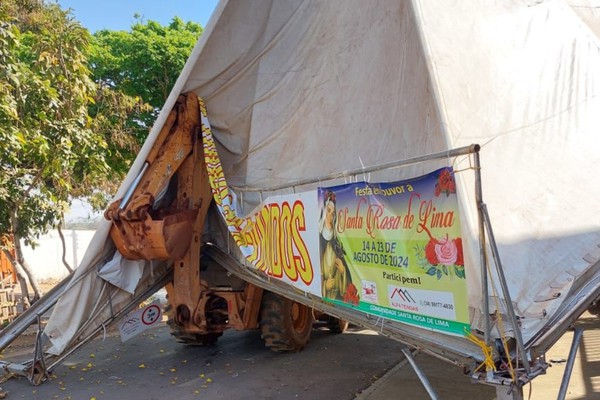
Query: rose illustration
445	183
446	251
351	295
441	256
430	252
459	249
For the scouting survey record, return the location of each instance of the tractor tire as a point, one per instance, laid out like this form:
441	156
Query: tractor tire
190	339
285	325
337	325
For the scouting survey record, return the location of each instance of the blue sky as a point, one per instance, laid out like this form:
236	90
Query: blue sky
118	14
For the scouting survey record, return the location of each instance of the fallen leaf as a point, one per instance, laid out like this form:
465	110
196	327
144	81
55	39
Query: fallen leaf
141	366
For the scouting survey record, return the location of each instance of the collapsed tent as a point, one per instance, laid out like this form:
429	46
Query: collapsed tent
304	89
297	90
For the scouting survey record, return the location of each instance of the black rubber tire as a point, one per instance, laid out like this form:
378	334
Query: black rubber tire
337	325
285	325
190	339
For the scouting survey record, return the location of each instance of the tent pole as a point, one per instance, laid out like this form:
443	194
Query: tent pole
506	393
564	385
461	151
483	259
420	374
509	306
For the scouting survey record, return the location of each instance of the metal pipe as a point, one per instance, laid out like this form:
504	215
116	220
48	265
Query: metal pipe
483	259
420	374
25	368
133	186
505	291
510	393
165	278
28	317
577	335
455	350
461	151
40	307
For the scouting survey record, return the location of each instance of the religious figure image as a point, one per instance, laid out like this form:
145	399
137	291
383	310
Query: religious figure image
336	278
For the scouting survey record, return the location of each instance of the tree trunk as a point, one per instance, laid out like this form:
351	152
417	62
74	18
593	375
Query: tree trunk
64	249
21	261
20	277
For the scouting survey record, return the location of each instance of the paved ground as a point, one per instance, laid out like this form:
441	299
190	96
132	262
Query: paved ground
355	365
449	383
154	366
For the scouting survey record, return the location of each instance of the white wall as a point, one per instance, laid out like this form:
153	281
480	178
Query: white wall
46	259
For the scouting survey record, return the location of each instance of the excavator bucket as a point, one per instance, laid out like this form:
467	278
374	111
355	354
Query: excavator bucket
166	238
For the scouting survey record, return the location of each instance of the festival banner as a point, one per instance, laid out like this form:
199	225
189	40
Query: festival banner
279	238
395	250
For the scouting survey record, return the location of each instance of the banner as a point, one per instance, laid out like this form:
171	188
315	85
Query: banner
389	249
280	236
395	250
139	320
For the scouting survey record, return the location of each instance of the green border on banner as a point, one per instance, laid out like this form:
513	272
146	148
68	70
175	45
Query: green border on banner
421	321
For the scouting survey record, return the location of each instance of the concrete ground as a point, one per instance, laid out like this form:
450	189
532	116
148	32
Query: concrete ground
401	382
153	366
356	365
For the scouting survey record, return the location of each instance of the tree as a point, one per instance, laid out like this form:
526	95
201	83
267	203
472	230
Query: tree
49	147
72	116
143	63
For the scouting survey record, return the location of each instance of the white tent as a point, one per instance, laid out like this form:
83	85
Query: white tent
300	89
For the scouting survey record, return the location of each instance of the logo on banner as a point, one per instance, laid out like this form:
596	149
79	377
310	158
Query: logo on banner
401	298
369	291
402	294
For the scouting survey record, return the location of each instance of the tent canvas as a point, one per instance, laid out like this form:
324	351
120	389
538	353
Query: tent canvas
301	89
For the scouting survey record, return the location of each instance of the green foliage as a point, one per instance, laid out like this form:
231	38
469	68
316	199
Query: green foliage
143	63
48	145
44	130
74	108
